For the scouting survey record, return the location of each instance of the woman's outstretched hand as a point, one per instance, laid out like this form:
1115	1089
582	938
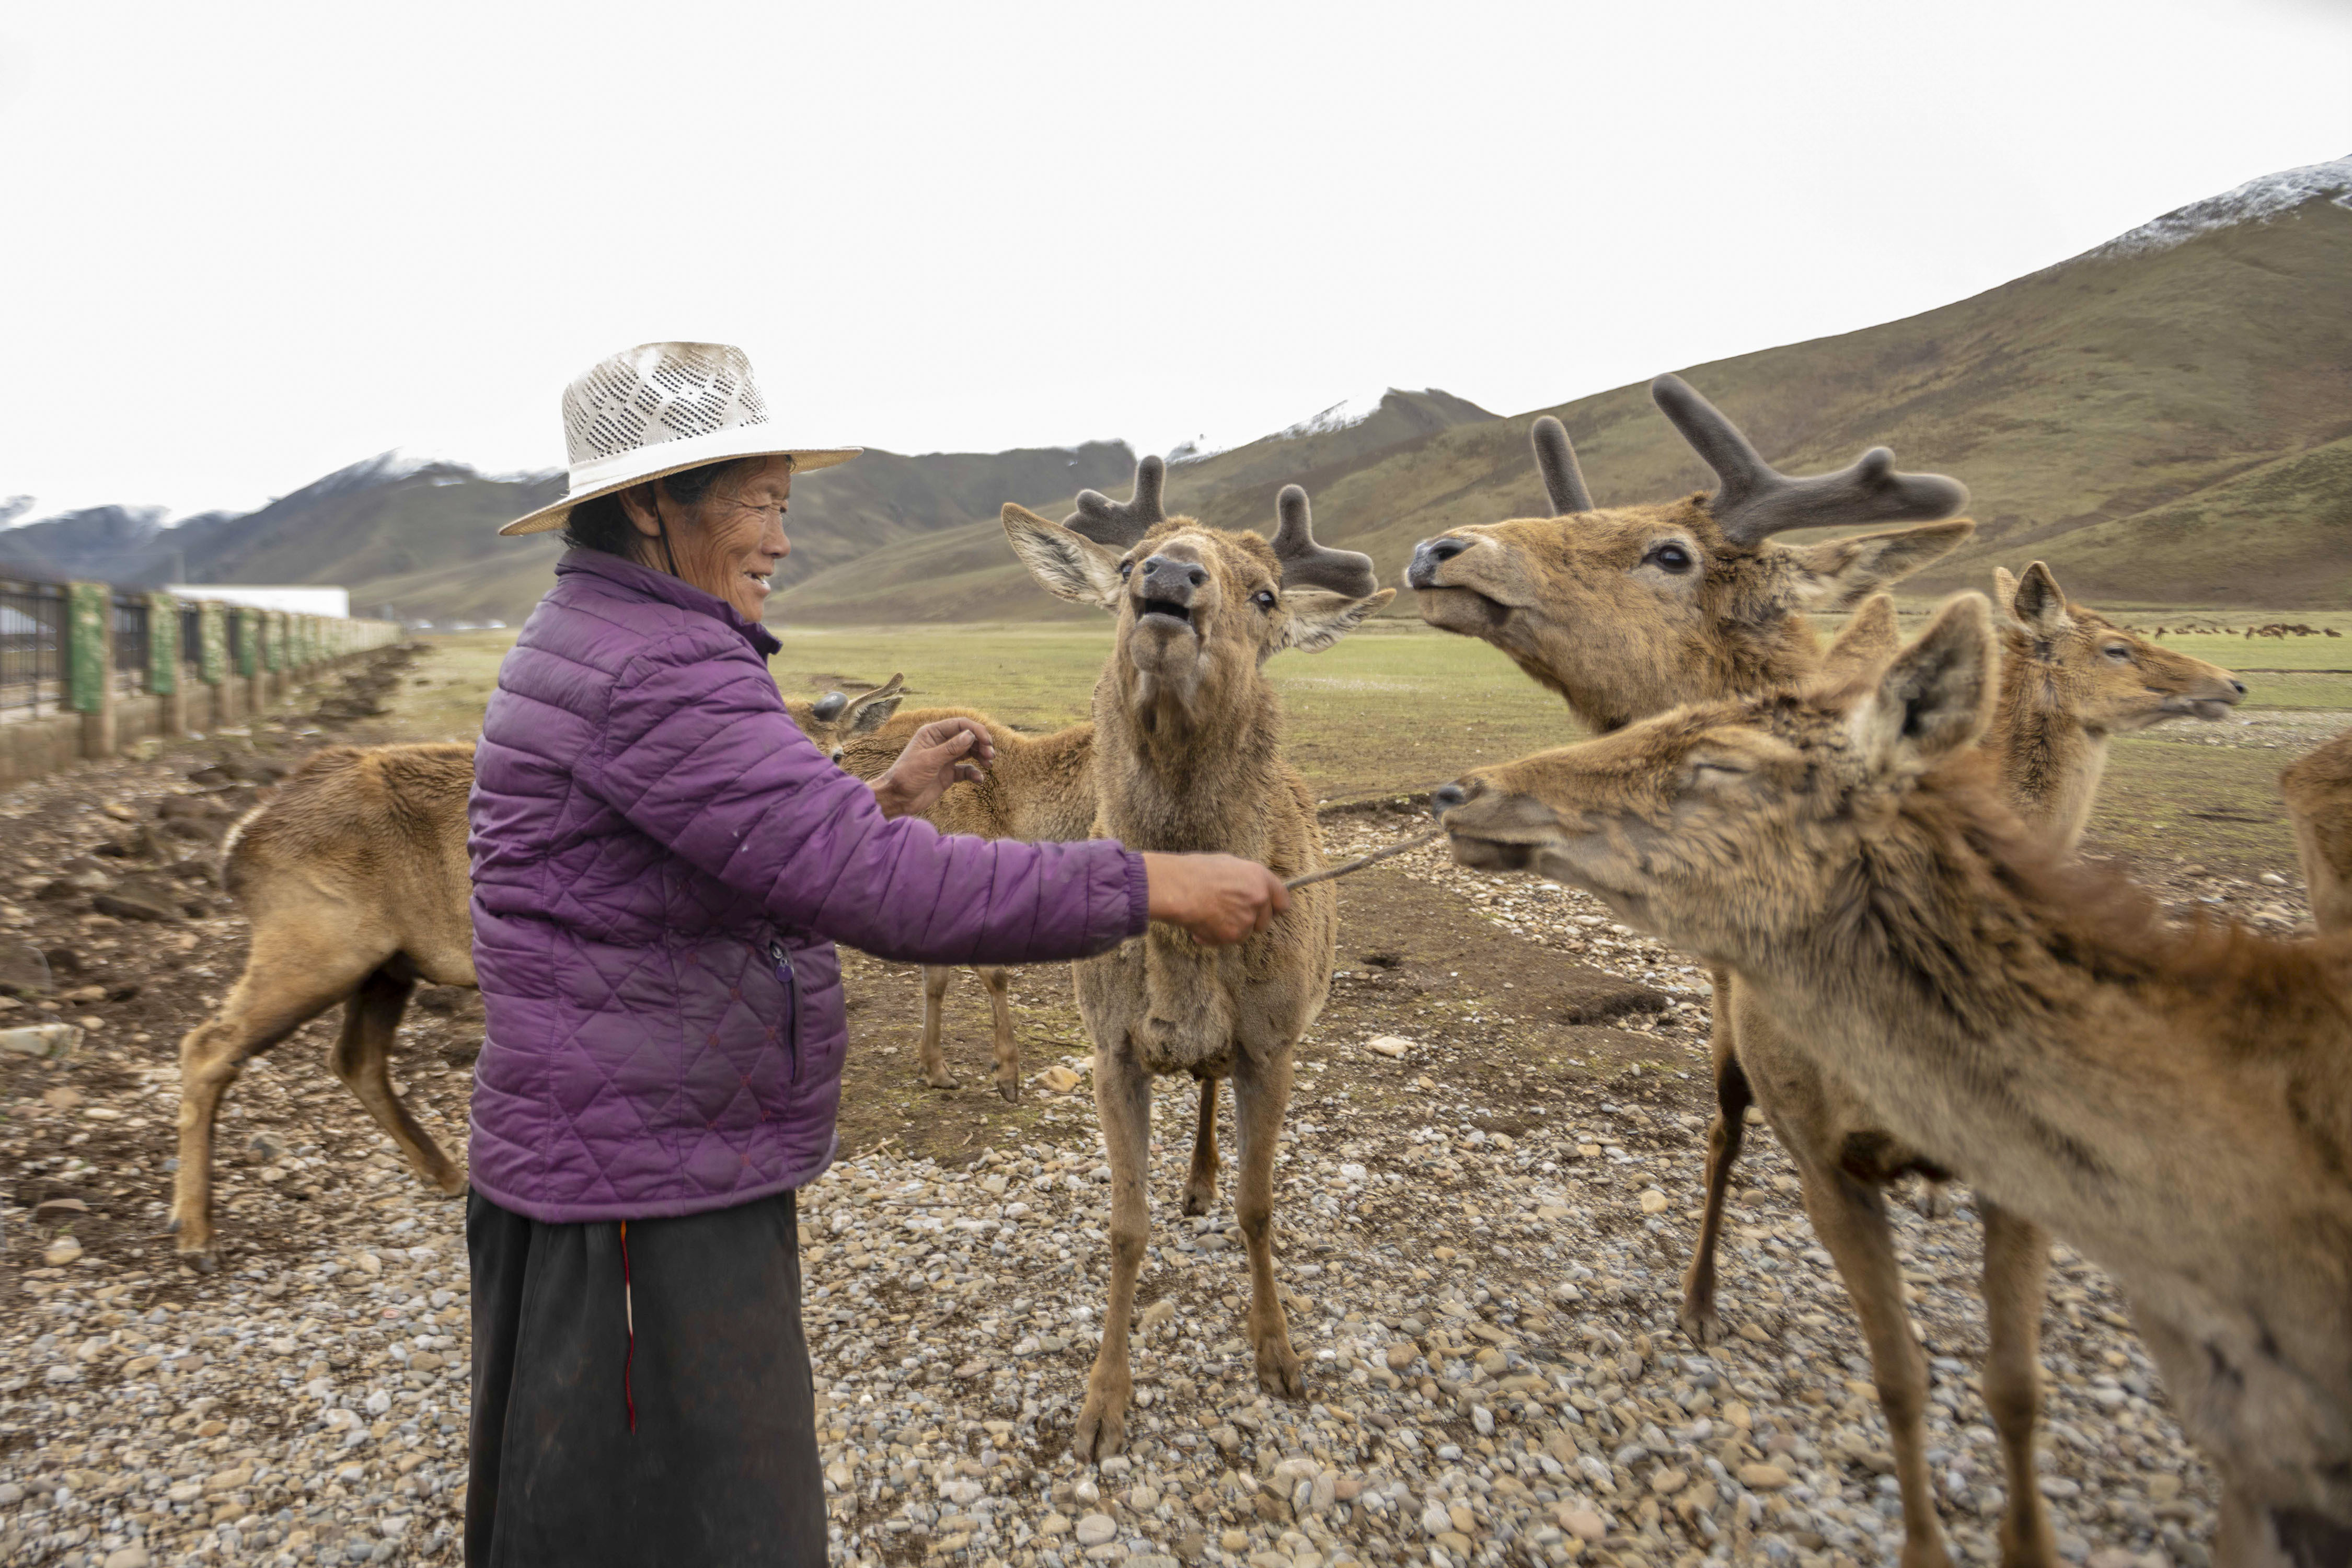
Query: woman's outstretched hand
942	753
1220	899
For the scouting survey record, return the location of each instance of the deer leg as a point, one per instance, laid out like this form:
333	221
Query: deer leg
1201	1186
288	981
1732	1097
1850	1218
362	1060
998	981
934	1063
1123	1102
2016	1267
1261	1094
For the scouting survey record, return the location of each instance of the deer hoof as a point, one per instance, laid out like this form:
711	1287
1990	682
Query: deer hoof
1199	1197
941	1079
202	1262
1937	1199
1101	1430
1010	1087
1699	1321
1277	1369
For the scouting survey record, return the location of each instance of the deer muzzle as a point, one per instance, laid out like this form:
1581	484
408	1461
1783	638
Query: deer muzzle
1164	586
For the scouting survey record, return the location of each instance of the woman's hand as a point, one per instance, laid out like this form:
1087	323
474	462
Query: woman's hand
944	752
1220	899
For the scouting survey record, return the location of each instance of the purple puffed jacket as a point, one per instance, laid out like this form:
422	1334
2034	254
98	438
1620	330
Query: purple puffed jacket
662	862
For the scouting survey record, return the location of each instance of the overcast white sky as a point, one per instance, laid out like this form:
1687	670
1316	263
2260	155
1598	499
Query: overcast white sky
249	244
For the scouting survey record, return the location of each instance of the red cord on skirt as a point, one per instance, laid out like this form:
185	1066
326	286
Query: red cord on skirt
629	1316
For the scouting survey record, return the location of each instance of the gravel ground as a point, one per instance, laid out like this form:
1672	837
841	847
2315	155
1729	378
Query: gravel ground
1482	1283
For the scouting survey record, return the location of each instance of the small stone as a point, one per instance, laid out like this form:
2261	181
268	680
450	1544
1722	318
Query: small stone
1058	1079
1055	1523
1762	1478
2272	879
2163	1487
1094	1529
1393	1046
1582	1524
1233	1541
132	1556
1402	1354
61	1251
1654	1202
1667	1483
54	1042
63	1096
1435	1519
1352	1173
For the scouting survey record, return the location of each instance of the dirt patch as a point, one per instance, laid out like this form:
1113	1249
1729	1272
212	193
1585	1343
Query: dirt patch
1497	1011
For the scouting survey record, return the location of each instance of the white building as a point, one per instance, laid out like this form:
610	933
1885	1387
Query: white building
300	600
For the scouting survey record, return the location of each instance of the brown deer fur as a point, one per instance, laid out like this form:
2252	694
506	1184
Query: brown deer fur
2177	1105
2319	789
2069	681
1040	788
354	880
1187	757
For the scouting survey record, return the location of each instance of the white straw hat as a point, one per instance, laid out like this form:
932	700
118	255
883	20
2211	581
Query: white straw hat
661	408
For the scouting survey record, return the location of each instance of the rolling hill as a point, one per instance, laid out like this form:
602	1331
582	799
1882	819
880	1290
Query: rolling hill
2165	419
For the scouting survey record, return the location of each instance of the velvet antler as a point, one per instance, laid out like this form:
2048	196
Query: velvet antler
1119	524
1306	565
1563	479
1755	501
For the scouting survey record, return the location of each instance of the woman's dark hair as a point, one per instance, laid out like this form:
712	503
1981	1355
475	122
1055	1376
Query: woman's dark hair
603	524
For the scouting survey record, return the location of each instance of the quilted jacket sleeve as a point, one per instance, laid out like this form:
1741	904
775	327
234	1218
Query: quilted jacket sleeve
698	754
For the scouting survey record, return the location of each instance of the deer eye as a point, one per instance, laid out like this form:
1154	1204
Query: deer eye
2119	651
1124	568
1265	599
1669	557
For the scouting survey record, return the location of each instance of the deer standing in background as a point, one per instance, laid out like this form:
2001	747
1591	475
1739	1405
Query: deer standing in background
2177	1105
2318	791
1040	788
354	881
1188	756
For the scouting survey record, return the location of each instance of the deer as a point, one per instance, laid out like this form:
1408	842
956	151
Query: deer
2069	681
1628	612
1039	788
2176	1104
2318	786
1188	756
354	883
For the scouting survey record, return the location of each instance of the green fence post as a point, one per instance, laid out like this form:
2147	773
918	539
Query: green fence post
90	663
211	643
162	644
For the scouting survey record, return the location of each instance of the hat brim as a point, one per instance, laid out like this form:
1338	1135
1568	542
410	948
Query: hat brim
674	458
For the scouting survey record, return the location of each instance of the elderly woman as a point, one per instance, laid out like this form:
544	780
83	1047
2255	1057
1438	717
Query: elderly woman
662	863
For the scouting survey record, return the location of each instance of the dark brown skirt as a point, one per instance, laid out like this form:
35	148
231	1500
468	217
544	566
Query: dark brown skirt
721	1467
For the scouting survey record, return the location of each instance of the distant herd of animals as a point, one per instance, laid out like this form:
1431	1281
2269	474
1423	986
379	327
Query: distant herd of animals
1871	846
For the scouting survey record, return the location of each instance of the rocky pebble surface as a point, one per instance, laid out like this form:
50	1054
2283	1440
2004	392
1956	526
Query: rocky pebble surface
1493	1373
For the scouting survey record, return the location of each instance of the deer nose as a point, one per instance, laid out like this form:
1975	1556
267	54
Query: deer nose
1173	579
1428	556
1445	797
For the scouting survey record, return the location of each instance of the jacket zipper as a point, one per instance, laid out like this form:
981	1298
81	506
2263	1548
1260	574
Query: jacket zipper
785	972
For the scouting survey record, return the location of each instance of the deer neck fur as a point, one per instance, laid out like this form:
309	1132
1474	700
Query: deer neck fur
1187	771
2050	759
2178	1104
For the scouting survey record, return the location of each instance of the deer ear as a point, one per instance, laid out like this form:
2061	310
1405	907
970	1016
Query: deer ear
1319	618
873	710
1068	565
1838	573
1934	698
2040	604
1867	641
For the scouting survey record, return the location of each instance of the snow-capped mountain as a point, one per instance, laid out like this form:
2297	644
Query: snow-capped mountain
2256	201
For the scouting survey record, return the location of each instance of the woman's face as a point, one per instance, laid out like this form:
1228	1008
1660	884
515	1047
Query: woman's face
729	545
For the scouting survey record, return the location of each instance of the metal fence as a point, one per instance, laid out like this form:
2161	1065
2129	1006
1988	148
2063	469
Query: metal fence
130	645
32	648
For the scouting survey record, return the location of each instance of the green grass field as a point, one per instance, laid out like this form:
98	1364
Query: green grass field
1398	709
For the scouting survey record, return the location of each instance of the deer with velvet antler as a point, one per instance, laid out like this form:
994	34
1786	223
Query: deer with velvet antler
1187	757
